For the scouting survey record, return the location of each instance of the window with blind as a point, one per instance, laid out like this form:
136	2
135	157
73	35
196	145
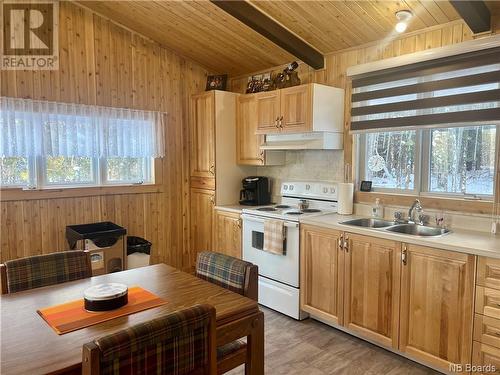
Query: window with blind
430	127
47	144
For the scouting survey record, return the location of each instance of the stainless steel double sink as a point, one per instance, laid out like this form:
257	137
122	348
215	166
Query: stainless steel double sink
395	227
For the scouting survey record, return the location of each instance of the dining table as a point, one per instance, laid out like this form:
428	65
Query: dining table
30	346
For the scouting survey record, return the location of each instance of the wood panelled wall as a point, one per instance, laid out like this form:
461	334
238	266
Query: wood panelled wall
336	65
105	64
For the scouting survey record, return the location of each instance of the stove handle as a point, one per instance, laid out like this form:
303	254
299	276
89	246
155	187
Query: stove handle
289	224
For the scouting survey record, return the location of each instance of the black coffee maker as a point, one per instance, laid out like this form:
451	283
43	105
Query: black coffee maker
255	192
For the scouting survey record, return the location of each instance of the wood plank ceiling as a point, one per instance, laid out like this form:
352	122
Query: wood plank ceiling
206	34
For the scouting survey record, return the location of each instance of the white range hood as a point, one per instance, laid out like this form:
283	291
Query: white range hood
304	141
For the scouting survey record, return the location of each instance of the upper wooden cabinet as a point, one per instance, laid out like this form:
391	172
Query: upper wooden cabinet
299	109
213	164
268	111
248	143
202	135
296	108
227	233
321	273
436	305
371	293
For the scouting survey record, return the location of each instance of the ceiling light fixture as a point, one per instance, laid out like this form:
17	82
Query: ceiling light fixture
403	16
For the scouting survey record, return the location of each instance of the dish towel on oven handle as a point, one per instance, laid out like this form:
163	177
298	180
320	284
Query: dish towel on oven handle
274	237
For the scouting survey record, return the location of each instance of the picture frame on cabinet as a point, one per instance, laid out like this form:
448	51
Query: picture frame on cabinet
216	82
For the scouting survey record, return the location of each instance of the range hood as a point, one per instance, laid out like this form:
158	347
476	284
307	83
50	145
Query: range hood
304	141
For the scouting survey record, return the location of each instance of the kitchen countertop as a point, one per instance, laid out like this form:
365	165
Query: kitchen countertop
470	242
235	208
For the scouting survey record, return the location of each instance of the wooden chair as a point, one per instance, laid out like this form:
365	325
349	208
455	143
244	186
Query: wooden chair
182	342
238	276
43	270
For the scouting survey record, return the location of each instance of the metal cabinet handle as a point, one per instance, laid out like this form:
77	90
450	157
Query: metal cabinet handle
261	158
281	122
239	223
276	122
341	242
212	169
346	243
404	255
212	200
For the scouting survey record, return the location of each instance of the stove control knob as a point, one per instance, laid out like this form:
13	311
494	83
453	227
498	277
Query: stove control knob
285	187
291	187
325	190
332	190
308	187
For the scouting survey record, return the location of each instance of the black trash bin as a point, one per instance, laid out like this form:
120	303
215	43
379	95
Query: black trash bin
138	252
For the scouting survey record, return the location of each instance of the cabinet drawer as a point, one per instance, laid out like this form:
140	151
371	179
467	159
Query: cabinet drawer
487	357
488	302
487	330
488	272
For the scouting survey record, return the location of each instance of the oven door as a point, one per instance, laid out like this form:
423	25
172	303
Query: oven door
282	268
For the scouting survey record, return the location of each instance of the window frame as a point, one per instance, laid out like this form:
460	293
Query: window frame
363	165
37	177
423	167
149	168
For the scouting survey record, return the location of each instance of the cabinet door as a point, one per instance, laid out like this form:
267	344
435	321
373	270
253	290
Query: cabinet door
321	273
202	130
268	112
227	233
247	142
296	109
436	305
486	358
371	292
201	228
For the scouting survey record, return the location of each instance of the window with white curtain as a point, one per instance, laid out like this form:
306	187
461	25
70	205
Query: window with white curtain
47	144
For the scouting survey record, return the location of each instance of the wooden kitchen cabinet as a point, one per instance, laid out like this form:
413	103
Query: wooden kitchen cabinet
437	288
268	111
321	273
487	357
248	143
227	233
300	109
202	135
201	227
488	272
371	288
296	109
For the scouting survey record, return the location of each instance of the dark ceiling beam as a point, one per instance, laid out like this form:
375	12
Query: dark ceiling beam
475	14
266	26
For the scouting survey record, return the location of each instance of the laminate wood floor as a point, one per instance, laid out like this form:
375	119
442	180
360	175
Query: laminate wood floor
313	348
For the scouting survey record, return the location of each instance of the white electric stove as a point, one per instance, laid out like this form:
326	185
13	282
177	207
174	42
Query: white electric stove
279	284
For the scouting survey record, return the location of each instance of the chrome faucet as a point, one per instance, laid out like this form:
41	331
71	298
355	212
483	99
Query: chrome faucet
417	206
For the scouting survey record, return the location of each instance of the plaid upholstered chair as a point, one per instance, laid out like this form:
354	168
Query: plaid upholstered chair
180	343
43	270
238	276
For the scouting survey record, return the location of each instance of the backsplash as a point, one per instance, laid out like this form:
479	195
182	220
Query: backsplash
306	165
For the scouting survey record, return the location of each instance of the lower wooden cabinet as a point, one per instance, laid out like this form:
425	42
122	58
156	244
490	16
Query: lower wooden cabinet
201	227
227	233
414	299
321	275
436	305
371	293
485	357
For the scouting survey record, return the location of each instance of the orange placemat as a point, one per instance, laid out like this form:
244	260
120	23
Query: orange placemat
71	316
